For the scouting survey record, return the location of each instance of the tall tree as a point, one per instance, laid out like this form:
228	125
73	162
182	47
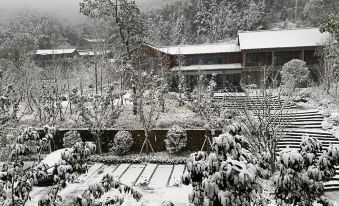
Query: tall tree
180	33
127	18
319	11
201	21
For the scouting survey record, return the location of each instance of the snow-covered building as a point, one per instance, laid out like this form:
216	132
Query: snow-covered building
91	44
87	48
48	57
243	59
93	47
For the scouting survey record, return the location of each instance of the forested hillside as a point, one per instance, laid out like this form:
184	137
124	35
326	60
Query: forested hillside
199	21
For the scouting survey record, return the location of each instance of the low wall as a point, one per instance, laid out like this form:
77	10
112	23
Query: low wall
195	138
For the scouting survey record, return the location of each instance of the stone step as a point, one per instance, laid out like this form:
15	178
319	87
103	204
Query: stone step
307	117
324	139
290	134
318	117
305	123
317	132
300	126
294	141
287	142
331	188
251	108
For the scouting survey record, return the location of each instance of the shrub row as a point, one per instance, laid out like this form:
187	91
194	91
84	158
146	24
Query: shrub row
135	159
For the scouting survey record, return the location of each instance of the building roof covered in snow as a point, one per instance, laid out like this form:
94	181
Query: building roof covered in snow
267	39
93	53
55	51
199	49
94	40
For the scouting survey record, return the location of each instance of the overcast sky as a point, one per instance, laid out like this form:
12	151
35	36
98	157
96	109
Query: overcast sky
63	7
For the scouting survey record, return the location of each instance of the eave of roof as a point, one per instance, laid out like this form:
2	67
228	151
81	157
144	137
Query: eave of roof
199	49
54	51
209	67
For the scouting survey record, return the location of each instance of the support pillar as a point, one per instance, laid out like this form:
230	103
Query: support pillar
303	55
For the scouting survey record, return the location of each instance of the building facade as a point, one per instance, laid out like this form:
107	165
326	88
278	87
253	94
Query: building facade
241	61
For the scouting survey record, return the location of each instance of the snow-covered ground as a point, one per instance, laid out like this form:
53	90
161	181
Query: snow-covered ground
157	183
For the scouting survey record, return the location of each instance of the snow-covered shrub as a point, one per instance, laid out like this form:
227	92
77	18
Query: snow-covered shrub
70	138
294	73
167	203
137	159
95	193
122	143
16	182
32	141
302	173
302	95
73	163
176	139
264	165
326	113
7	142
227	176
334	118
326	125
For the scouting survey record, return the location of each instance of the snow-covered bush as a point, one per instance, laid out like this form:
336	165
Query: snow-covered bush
176	139
70	138
302	173
264	165
326	125
122	143
7	142
302	95
93	195
137	159
16	182
227	176
334	118
167	203
294	73
32	141
73	163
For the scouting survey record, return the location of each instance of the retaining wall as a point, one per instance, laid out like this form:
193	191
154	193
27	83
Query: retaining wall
195	138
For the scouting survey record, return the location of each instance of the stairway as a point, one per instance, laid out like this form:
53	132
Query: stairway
299	123
292	138
303	119
242	101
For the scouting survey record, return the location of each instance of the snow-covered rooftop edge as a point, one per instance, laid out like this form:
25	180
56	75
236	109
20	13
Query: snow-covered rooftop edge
288	38
54	51
207	48
213	67
261	39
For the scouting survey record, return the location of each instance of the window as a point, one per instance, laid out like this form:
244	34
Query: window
283	57
251	58
259	59
206	60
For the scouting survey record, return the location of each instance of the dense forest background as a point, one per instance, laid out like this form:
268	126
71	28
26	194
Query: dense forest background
176	22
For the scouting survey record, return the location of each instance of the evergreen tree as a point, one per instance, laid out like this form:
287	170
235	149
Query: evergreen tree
180	29
201	21
252	17
214	23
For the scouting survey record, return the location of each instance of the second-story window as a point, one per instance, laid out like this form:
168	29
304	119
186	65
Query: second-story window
285	56
205	60
259	59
